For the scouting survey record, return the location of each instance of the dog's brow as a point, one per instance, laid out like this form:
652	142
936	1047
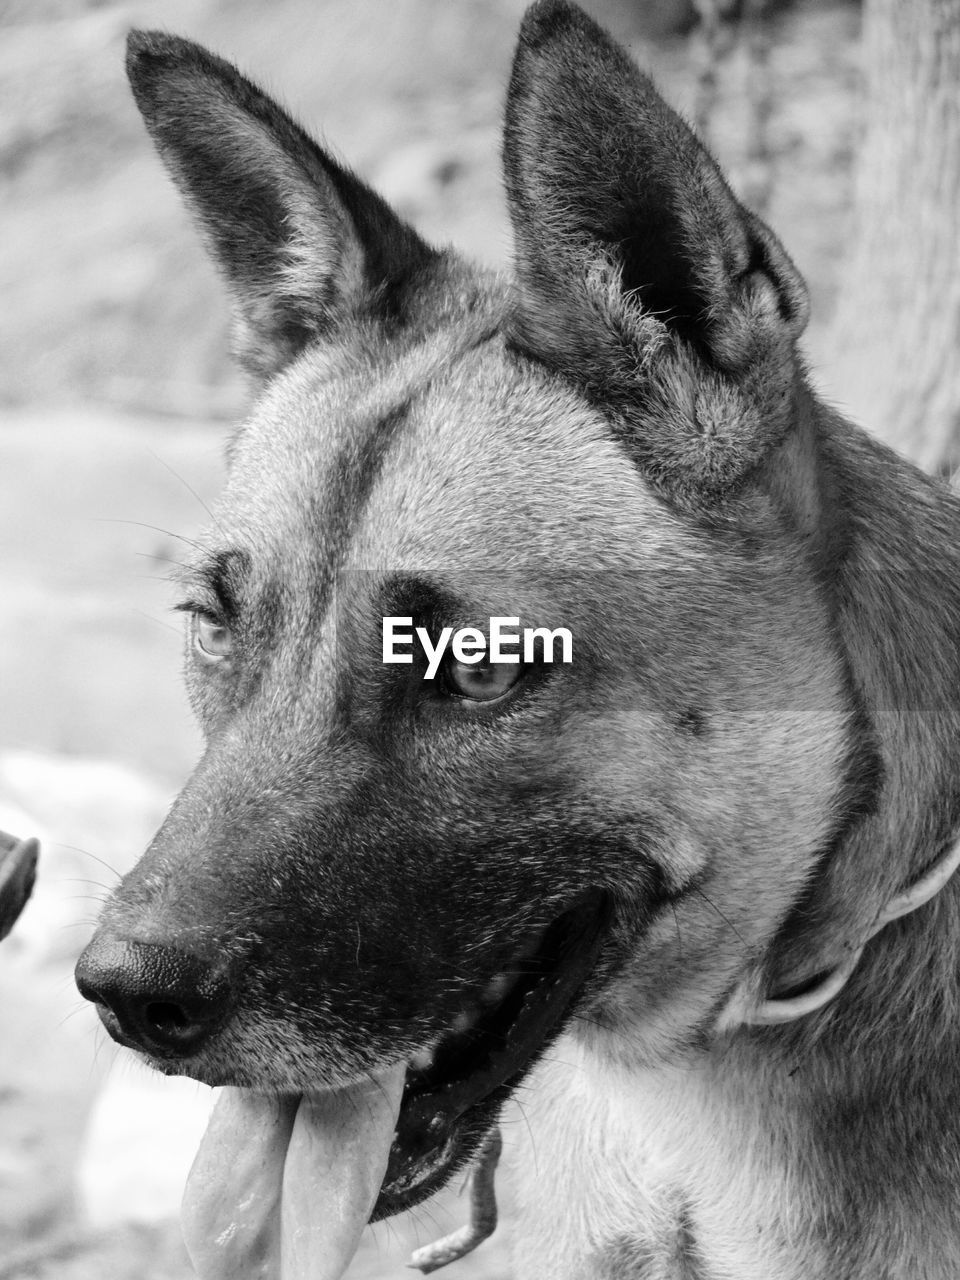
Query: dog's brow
340	504
222	575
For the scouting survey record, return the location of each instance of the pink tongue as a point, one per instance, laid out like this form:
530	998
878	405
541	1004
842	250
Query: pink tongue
281	1190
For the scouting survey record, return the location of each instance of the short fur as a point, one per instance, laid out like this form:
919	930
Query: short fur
758	743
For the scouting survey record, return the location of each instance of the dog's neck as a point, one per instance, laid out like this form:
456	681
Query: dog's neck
878	1067
885	542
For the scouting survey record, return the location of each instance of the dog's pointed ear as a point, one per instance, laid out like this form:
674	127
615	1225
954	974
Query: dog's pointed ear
628	239
301	240
600	170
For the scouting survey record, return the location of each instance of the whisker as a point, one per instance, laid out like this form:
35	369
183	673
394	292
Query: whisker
151	555
186	484
159	621
75	848
533	1142
729	923
676	921
84	880
154	528
81	1008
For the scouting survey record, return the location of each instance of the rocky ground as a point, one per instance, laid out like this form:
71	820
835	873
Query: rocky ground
113	380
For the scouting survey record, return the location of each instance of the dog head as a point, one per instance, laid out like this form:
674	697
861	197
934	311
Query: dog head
371	865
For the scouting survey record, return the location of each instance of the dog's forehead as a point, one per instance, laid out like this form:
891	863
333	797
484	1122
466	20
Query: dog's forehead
453	456
504	467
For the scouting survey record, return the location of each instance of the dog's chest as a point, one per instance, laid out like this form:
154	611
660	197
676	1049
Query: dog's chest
637	1178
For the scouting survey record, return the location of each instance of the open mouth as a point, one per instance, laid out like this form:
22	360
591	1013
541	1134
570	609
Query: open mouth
301	1174
295	1178
451	1098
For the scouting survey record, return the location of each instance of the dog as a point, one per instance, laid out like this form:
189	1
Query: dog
683	907
18	872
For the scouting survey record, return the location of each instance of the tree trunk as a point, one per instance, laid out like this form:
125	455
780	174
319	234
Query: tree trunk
896	332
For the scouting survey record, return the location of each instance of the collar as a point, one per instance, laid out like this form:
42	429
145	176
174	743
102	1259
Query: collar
828	986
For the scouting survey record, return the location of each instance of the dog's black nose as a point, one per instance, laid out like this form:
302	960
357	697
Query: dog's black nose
160	999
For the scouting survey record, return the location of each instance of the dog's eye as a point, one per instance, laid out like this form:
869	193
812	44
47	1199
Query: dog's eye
212	638
481	681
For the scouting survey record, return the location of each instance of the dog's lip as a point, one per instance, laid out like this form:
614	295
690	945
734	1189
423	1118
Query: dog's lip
448	1106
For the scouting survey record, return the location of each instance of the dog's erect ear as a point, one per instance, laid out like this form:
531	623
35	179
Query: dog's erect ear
601	172
301	240
627	234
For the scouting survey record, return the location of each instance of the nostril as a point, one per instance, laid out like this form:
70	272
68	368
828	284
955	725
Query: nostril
165	1016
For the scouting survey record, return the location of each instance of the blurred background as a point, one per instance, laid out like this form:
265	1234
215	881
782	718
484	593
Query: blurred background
116	392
